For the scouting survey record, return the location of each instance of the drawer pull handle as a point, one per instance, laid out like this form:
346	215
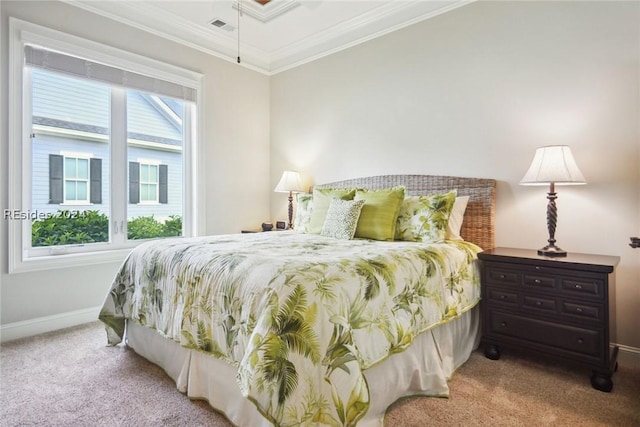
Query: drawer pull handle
502	276
538	303
579	309
503	296
580	340
577	286
538	268
503	324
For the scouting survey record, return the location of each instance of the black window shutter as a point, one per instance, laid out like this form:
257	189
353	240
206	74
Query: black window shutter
56	179
134	182
95	173
163	195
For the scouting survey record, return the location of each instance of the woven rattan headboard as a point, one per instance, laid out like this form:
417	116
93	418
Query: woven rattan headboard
479	219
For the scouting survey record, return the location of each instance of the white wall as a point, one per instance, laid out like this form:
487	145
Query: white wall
237	184
473	92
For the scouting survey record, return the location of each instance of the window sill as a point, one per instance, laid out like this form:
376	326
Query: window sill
49	262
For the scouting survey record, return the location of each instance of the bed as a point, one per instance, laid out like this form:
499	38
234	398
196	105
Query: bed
296	328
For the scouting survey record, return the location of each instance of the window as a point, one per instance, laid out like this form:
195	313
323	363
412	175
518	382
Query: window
107	140
74	180
148	183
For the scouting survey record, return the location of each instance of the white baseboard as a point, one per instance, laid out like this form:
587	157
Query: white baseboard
44	324
629	356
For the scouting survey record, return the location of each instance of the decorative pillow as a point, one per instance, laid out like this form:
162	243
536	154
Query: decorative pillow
342	219
304	206
321	199
425	218
455	219
379	213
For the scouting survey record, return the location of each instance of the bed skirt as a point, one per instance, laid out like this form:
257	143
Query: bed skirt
423	369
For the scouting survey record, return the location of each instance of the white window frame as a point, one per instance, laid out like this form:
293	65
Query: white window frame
23	258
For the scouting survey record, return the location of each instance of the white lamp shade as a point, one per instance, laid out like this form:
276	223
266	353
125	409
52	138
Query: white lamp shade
553	164
289	182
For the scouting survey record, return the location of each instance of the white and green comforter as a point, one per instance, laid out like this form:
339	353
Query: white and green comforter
299	315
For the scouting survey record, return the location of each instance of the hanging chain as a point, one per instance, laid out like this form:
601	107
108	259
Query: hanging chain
239	14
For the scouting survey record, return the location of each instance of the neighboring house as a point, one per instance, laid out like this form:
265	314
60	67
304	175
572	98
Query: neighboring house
71	148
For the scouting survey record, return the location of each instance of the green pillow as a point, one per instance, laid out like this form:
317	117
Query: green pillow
342	219
321	199
379	213
425	218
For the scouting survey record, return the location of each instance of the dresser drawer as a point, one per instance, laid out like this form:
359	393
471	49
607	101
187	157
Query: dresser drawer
557	336
500	275
582	286
537	303
594	312
539	281
498	295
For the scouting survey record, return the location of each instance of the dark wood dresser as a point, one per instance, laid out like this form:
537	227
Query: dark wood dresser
560	307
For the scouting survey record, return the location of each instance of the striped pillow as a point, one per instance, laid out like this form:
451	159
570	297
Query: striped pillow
379	213
321	199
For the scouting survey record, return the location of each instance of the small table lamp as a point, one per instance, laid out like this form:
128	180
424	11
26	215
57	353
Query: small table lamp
553	165
289	183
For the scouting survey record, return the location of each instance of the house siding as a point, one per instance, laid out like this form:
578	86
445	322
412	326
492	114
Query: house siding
43	145
83	107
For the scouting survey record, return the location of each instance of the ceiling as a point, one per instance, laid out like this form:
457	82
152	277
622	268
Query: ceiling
276	35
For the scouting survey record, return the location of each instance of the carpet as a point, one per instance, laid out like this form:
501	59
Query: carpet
71	378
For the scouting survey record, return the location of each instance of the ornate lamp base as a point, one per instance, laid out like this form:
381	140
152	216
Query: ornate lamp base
552	216
552	251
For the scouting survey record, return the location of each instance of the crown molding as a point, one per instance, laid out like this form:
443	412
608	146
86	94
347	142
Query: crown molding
389	17
376	23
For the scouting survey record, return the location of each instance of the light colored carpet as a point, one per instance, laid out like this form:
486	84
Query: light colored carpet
71	378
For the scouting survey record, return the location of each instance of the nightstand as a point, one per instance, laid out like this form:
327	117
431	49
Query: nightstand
559	307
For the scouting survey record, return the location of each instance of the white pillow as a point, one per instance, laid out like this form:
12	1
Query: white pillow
456	217
304	206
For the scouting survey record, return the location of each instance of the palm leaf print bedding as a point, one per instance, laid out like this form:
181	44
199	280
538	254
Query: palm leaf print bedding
299	315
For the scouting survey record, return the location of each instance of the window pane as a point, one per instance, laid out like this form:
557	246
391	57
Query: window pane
155	133
71	190
81	191
70	168
144	173
153	174
69	114
83	169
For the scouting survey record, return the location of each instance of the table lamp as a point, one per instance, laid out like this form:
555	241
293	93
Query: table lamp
553	165
289	183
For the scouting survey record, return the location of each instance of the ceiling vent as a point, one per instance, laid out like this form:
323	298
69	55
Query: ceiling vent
219	23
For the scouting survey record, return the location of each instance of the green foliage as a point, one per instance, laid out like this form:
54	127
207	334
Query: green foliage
147	227
173	226
143	227
76	227
70	228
